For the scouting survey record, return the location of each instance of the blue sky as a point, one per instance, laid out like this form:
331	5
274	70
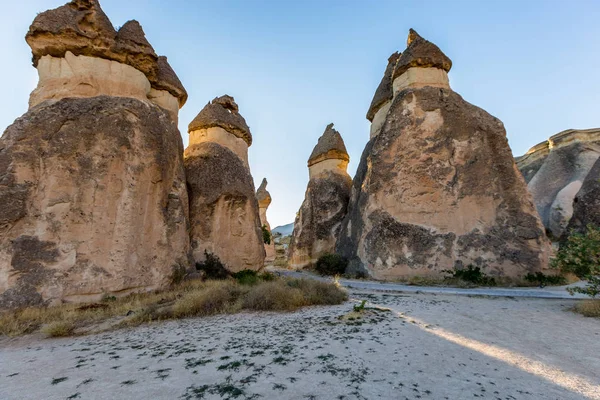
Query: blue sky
295	66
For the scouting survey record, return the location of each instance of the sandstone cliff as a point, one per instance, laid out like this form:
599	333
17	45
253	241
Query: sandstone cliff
92	175
437	187
224	214
264	200
555	171
318	221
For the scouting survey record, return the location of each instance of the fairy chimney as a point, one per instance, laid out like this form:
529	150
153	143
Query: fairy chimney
224	213
318	221
92	175
437	188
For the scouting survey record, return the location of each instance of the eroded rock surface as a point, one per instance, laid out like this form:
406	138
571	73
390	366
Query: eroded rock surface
318	221
586	204
264	200
79	32
92	175
438	188
96	201
555	170
224	214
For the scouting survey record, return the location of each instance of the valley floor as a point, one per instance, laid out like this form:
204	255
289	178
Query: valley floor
404	346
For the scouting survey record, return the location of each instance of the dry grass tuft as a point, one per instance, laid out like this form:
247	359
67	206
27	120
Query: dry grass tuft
188	299
274	296
59	328
217	297
588	308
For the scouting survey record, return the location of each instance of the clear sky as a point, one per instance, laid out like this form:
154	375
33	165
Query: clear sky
295	66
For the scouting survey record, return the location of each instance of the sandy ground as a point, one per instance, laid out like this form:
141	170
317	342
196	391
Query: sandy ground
424	346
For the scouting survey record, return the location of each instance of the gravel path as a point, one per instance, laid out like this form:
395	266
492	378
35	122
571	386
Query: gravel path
413	346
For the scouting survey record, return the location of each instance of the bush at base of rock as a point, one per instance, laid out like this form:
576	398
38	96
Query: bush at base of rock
212	267
266	235
472	274
543	279
331	264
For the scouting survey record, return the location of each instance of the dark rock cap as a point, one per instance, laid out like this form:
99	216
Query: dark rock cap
330	146
222	112
167	80
262	195
421	53
82	28
384	91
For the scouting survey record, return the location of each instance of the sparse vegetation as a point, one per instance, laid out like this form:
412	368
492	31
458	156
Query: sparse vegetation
331	264
212	267
580	255
543	280
266	235
59	328
188	299
360	307
471	274
250	277
588	308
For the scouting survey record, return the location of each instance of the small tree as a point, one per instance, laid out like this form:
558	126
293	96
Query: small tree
580	255
266	235
331	264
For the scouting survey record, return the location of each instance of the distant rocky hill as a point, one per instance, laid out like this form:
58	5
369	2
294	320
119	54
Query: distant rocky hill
285	230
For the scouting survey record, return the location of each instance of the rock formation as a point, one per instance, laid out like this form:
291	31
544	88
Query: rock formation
224	216
264	200
555	171
586	204
91	177
318	222
437	187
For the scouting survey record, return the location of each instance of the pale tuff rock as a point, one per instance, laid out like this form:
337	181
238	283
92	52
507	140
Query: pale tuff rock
384	92
224	212
438	188
586	204
264	200
95	202
318	222
92	175
78	53
222	112
556	170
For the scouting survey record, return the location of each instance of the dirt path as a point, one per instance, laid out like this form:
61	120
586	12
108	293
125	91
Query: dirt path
425	347
548	292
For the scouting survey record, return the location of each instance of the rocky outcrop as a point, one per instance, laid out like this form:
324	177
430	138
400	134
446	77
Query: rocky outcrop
555	171
586	204
78	53
93	180
264	200
437	188
224	216
318	222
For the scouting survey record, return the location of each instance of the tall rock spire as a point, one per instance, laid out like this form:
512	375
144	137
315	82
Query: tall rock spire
264	200
224	211
318	221
437	187
107	210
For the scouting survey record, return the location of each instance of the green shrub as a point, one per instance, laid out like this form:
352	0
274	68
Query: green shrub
331	264
543	279
472	274
246	277
580	255
212	267
361	307
266	235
